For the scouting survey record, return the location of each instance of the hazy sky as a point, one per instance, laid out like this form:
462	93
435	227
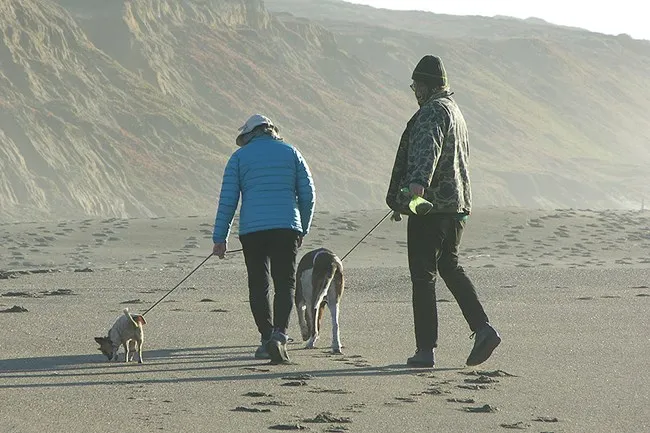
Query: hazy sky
621	16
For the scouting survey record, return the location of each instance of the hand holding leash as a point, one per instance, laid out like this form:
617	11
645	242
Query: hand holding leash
219	249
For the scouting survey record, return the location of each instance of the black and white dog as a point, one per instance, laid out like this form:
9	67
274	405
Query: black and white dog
319	281
126	331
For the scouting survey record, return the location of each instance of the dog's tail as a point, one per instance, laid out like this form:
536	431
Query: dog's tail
327	269
137	319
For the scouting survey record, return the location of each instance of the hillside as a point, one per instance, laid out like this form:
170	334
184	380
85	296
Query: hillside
557	115
130	108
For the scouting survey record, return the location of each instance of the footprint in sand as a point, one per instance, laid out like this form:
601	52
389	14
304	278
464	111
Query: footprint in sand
257	394
489	373
461	400
434	391
15	309
328	418
288	427
406	399
295	383
318	390
277	403
250	409
354	360
481	380
133	301
546	419
520	425
58	292
20	295
473	387
486	408
257	369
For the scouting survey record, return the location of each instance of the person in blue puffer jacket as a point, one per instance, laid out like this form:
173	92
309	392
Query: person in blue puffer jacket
277	206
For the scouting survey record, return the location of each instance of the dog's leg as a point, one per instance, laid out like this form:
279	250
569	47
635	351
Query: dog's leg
321	311
140	342
333	301
133	348
303	292
301	309
313	325
126	345
336	335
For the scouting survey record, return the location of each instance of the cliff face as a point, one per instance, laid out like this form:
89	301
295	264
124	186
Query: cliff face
130	108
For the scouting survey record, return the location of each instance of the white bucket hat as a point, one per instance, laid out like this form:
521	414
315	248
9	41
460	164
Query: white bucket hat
253	122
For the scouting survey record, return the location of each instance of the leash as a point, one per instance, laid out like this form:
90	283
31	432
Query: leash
367	234
186	277
241	249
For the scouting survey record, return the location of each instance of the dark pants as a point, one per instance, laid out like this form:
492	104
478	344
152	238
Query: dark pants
271	253
433	242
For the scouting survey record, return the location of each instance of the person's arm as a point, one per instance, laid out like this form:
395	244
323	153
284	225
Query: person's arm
426	138
305	192
228	201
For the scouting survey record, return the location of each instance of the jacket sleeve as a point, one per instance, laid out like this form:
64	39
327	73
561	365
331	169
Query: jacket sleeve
397	176
305	192
426	140
228	200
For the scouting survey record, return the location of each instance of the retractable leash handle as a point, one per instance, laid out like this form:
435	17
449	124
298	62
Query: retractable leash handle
418	205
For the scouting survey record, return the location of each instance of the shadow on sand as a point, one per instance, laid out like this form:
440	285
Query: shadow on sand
199	364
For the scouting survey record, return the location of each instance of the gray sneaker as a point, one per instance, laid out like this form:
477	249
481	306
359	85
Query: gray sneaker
486	340
421	359
277	348
262	352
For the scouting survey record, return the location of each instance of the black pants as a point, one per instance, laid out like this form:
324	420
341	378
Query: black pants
433	242
271	253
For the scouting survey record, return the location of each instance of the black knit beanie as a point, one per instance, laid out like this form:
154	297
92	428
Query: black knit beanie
431	71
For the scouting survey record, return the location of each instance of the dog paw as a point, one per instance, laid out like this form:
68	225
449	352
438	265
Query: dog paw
337	351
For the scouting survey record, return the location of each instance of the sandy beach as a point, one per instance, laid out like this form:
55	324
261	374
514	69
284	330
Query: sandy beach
569	291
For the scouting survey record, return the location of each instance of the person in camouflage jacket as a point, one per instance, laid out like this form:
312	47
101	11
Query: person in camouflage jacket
433	153
432	161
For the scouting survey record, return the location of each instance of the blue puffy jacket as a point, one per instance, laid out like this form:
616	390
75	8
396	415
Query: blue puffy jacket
276	187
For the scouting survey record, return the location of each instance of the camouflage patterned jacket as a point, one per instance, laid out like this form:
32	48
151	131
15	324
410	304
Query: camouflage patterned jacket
434	152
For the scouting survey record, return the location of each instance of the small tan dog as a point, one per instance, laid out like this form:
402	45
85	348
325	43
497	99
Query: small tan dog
319	281
126	331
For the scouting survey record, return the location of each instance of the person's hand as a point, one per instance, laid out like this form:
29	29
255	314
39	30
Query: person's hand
300	241
396	216
219	249
416	189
